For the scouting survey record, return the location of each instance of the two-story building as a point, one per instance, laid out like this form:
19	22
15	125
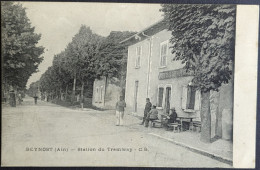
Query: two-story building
152	73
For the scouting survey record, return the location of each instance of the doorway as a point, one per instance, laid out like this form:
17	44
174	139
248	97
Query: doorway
135	96
168	99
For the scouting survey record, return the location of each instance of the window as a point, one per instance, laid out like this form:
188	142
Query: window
160	97
163	53
138	57
190	99
191	91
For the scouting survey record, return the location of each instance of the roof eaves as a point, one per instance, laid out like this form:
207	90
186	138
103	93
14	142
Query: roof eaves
142	31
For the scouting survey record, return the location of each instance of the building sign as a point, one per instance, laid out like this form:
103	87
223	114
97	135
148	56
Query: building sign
174	74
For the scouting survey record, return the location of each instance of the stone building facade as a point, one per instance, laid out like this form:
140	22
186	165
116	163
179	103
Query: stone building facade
152	73
106	92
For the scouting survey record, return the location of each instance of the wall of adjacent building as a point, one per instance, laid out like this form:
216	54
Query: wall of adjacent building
110	93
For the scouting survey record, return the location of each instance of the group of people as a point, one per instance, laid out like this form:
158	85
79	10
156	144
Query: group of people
150	113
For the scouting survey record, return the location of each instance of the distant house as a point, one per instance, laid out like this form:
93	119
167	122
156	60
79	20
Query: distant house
152	73
106	92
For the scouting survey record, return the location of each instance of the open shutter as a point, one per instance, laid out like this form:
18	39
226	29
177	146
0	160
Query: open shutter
197	100
184	97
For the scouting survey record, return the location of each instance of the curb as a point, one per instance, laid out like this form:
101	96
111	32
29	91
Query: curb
196	150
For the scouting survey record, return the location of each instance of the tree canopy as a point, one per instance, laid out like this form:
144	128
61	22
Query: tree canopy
111	57
203	39
20	54
86	57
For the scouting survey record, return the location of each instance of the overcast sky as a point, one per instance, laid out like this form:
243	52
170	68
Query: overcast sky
58	22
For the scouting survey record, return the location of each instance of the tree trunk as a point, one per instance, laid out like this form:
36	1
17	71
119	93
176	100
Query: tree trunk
205	135
66	92
60	93
74	87
82	94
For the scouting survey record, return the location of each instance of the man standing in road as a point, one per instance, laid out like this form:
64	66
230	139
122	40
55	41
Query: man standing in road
35	99
146	109
120	108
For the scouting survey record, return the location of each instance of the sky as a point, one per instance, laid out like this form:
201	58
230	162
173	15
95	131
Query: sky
58	22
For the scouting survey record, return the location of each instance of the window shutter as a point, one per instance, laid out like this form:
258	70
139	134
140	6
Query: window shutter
197	100
184	97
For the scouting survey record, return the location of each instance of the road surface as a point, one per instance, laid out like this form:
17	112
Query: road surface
50	135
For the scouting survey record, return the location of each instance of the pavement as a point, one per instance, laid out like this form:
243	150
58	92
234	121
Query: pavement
220	149
50	135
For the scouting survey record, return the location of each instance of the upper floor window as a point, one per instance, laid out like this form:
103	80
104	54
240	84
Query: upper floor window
138	56
163	53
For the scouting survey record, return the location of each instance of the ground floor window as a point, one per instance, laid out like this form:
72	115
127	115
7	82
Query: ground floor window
190	98
160	97
191	92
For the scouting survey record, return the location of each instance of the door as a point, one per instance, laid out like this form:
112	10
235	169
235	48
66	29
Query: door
135	96
168	99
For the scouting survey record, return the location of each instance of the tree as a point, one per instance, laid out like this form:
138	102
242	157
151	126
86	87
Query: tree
203	39
80	56
111	58
20	55
33	89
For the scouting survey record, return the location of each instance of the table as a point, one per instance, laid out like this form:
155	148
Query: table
181	120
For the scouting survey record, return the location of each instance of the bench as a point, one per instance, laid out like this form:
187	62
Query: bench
159	121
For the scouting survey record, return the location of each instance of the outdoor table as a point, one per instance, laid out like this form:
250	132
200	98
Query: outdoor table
182	118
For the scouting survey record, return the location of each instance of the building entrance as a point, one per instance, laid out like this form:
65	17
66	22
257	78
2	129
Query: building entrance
168	99
135	96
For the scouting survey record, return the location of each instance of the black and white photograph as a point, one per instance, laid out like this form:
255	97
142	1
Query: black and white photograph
128	84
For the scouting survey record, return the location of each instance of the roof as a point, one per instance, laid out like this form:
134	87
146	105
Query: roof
147	32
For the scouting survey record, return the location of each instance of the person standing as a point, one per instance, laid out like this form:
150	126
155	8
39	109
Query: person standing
35	99
12	99
20	98
120	108
147	109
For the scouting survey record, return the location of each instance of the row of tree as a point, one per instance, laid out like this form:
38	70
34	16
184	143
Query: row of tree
20	54
87	57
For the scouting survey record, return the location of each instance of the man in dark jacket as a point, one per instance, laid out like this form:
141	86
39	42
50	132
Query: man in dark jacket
146	109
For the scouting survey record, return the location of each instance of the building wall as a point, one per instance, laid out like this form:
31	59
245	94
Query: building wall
106	96
137	74
98	99
148	77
